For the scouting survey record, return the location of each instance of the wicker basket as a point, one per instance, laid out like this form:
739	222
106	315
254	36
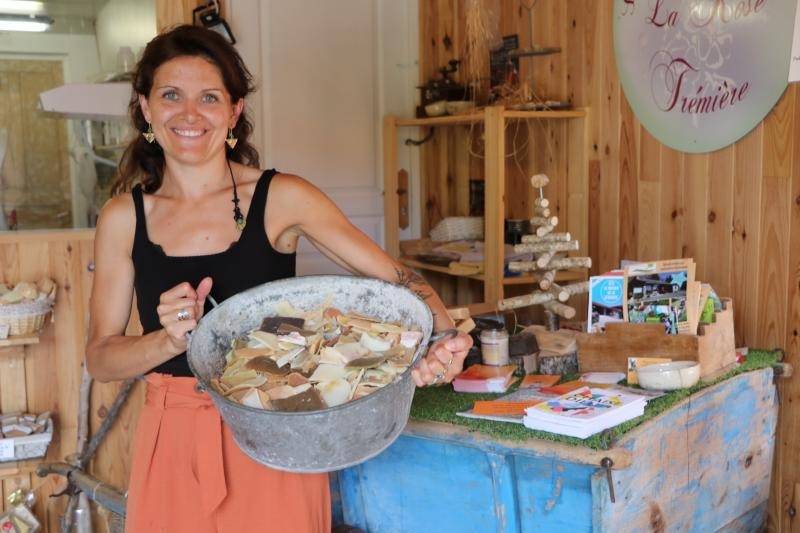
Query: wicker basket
24	318
458	229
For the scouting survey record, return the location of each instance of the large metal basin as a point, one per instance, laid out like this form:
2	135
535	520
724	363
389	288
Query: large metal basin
317	441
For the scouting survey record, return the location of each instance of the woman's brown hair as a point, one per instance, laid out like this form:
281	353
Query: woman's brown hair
143	162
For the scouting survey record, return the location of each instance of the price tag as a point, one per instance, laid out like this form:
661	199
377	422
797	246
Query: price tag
4	331
6	449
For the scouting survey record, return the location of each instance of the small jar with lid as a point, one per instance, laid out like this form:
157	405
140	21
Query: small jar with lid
494	347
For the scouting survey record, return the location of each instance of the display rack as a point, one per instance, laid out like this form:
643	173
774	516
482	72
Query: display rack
494	119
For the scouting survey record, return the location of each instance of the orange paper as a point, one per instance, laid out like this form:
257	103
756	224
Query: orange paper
571	386
537	380
502	408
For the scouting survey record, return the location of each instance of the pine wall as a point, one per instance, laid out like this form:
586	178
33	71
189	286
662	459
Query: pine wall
736	211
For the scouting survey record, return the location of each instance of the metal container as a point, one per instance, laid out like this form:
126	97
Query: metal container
315	441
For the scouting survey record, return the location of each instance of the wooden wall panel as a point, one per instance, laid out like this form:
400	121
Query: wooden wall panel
736	210
46	376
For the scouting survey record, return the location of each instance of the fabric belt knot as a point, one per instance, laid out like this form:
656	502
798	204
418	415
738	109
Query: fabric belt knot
208	451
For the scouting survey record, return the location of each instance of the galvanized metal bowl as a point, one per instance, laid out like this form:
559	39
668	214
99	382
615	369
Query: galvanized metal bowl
315	441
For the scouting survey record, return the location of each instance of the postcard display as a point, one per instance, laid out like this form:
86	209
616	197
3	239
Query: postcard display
661	306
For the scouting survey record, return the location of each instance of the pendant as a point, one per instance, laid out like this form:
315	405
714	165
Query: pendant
240	223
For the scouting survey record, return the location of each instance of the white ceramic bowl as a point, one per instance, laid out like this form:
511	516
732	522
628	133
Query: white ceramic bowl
669	376
436	109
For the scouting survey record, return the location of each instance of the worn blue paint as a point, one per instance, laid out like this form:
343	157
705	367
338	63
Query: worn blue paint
701	478
688	473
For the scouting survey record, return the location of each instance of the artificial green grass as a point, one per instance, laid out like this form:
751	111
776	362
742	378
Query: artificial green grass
440	404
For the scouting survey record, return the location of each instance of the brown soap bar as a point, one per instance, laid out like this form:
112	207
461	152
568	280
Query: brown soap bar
308	400
523	343
271	324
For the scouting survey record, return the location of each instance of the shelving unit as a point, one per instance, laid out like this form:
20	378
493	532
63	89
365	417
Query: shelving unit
568	171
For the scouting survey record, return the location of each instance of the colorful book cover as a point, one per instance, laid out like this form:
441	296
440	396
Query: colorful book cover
606	300
662	291
584	404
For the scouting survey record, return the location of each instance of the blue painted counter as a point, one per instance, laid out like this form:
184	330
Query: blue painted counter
703	465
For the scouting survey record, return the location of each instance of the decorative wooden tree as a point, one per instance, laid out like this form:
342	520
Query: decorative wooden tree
548	248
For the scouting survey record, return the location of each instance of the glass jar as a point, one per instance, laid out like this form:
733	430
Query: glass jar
494	347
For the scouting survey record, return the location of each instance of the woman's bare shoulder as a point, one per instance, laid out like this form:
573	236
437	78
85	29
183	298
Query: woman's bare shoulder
117	221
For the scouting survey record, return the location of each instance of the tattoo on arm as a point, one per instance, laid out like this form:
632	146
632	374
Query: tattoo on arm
414	282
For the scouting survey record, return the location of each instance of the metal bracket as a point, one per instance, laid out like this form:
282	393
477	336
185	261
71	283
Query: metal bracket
428	137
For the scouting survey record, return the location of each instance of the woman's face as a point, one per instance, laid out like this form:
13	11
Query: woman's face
190	110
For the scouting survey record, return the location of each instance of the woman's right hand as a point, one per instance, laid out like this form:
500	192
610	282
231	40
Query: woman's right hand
179	309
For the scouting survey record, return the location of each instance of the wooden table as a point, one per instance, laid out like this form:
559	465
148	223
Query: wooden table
702	465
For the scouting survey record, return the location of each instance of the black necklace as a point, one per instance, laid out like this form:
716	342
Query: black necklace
238	218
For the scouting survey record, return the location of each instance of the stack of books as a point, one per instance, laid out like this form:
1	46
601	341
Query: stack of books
484	378
585	411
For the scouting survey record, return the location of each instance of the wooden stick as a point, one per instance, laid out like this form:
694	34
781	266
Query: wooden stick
534	298
542	247
541	211
562	263
544	221
559	292
547	280
552	237
541	231
541	202
544	259
560	309
577	288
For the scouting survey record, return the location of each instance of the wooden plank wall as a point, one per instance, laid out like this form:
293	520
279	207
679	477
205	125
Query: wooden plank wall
47	376
736	211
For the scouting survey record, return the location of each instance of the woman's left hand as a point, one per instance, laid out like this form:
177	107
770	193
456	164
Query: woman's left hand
443	362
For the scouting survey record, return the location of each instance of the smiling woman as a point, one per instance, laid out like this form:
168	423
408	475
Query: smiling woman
168	233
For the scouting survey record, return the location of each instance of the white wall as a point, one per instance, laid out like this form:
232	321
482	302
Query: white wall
78	52
327	72
130	23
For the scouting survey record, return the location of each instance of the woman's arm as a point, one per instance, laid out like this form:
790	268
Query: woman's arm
110	355
308	212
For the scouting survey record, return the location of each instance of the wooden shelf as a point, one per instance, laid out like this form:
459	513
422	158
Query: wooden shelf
19	340
24	467
542	51
566	275
478	116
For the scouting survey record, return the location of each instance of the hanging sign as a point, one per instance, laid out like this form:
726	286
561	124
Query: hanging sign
700	74
794	66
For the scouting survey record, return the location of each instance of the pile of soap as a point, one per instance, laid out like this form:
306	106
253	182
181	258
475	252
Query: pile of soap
22	425
306	361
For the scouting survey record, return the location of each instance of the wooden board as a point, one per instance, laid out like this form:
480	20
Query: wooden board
714	348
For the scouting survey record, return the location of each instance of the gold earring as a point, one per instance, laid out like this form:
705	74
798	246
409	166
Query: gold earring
149	136
231	140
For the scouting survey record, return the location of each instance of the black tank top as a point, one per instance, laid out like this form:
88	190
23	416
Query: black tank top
248	262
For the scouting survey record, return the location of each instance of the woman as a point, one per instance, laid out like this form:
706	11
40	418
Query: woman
175	239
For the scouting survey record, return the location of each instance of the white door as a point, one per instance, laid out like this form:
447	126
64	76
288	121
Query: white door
327	73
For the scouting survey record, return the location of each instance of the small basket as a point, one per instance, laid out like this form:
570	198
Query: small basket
31	446
24	318
458	229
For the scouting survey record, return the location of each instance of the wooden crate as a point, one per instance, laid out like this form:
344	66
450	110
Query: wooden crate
714	347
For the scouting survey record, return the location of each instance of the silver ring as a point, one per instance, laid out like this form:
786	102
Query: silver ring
183	314
450	362
437	378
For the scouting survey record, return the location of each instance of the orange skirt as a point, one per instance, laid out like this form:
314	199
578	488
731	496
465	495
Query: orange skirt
189	475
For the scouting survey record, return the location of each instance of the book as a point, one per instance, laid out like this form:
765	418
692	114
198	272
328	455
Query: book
484	378
569	386
606	300
584	412
662	291
508	408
